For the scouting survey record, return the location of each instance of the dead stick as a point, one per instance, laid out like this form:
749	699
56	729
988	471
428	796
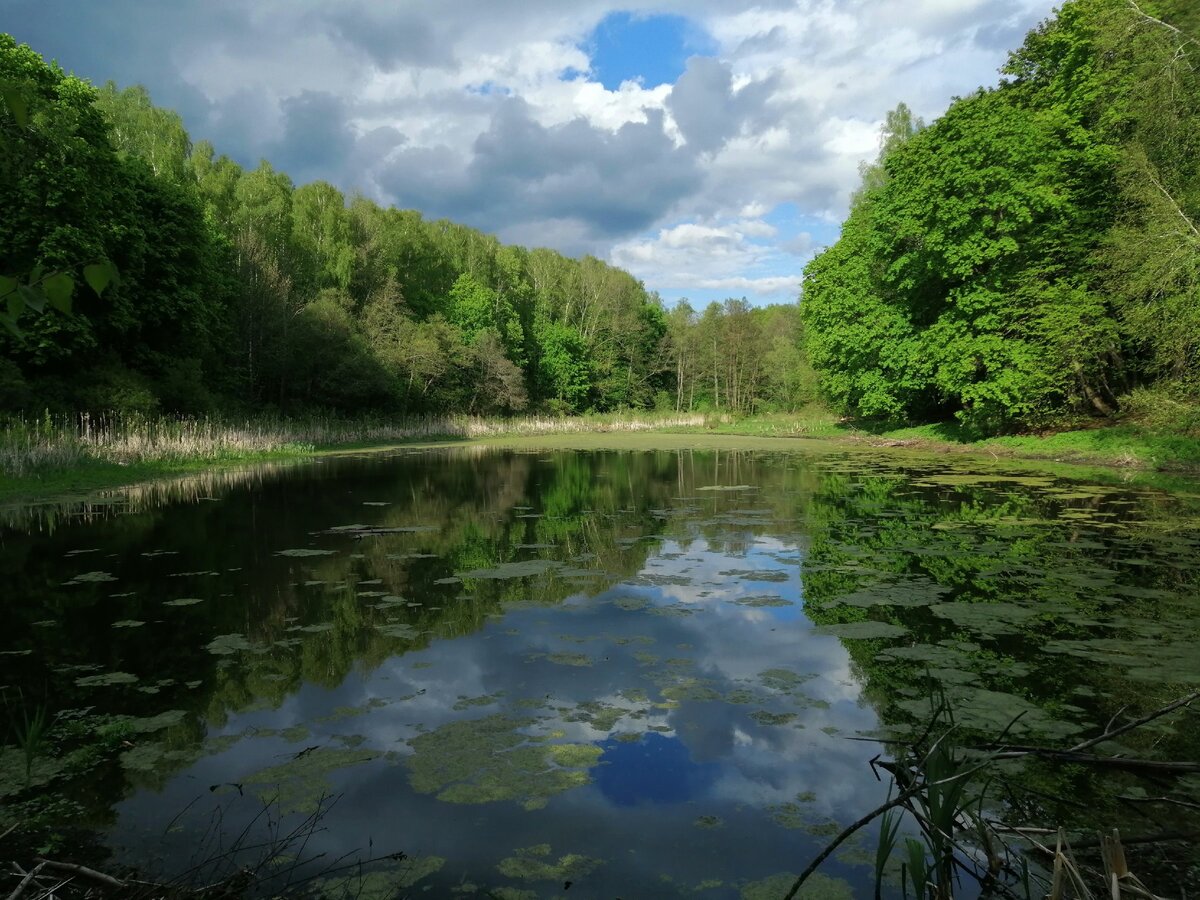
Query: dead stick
1136	723
1115	762
84	871
32	874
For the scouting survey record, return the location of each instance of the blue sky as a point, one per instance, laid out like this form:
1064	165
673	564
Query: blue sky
710	147
652	49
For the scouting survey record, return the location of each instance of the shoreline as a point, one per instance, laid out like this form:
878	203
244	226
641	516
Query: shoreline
1077	450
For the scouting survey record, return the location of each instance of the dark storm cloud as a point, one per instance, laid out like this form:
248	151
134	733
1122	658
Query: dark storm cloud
706	107
317	139
125	41
392	38
520	171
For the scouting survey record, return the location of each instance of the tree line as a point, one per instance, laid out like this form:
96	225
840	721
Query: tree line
1034	254
240	291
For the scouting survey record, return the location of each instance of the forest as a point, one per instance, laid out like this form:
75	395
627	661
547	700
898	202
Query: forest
240	292
1034	254
1030	259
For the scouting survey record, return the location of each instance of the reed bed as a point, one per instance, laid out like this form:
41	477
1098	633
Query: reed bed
30	446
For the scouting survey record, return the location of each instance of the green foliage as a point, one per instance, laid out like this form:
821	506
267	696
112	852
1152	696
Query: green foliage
562	373
240	291
43	111
1033	252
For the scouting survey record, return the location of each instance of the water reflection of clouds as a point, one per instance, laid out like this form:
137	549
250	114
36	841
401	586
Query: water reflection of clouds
702	755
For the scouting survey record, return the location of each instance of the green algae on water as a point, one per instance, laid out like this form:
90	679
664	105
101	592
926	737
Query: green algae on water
299	785
818	887
535	864
488	760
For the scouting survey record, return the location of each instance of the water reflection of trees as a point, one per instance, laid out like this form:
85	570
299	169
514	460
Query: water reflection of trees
1082	607
863	528
305	620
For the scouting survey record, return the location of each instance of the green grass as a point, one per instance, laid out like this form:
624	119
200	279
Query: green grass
1153	445
45	458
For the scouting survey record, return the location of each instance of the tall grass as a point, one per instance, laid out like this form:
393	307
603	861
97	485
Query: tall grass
30	446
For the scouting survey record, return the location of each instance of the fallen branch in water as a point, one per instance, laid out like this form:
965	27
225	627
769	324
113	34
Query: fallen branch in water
82	871
25	882
1076	753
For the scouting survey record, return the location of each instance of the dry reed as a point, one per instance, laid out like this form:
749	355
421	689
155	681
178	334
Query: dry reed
29	446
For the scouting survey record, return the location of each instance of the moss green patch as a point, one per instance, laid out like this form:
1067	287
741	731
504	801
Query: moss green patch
304	552
535	864
788	815
128	623
486	760
575	756
299	784
709	822
695	689
601	716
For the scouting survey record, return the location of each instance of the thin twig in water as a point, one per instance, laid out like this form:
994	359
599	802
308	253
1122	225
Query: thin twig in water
29	876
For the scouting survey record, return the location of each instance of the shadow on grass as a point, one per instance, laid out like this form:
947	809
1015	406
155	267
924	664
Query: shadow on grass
950	431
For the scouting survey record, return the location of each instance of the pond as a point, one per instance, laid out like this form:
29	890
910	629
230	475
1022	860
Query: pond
619	672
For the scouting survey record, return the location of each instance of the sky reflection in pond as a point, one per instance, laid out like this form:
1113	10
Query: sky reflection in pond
588	663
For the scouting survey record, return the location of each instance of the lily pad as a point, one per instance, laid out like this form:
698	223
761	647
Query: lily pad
763	600
522	569
228	644
863	631
108	678
92	578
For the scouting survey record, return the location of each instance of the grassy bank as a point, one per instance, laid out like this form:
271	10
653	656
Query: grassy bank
1127	444
53	457
64	455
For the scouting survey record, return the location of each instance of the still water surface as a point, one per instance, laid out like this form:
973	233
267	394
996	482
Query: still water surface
634	671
